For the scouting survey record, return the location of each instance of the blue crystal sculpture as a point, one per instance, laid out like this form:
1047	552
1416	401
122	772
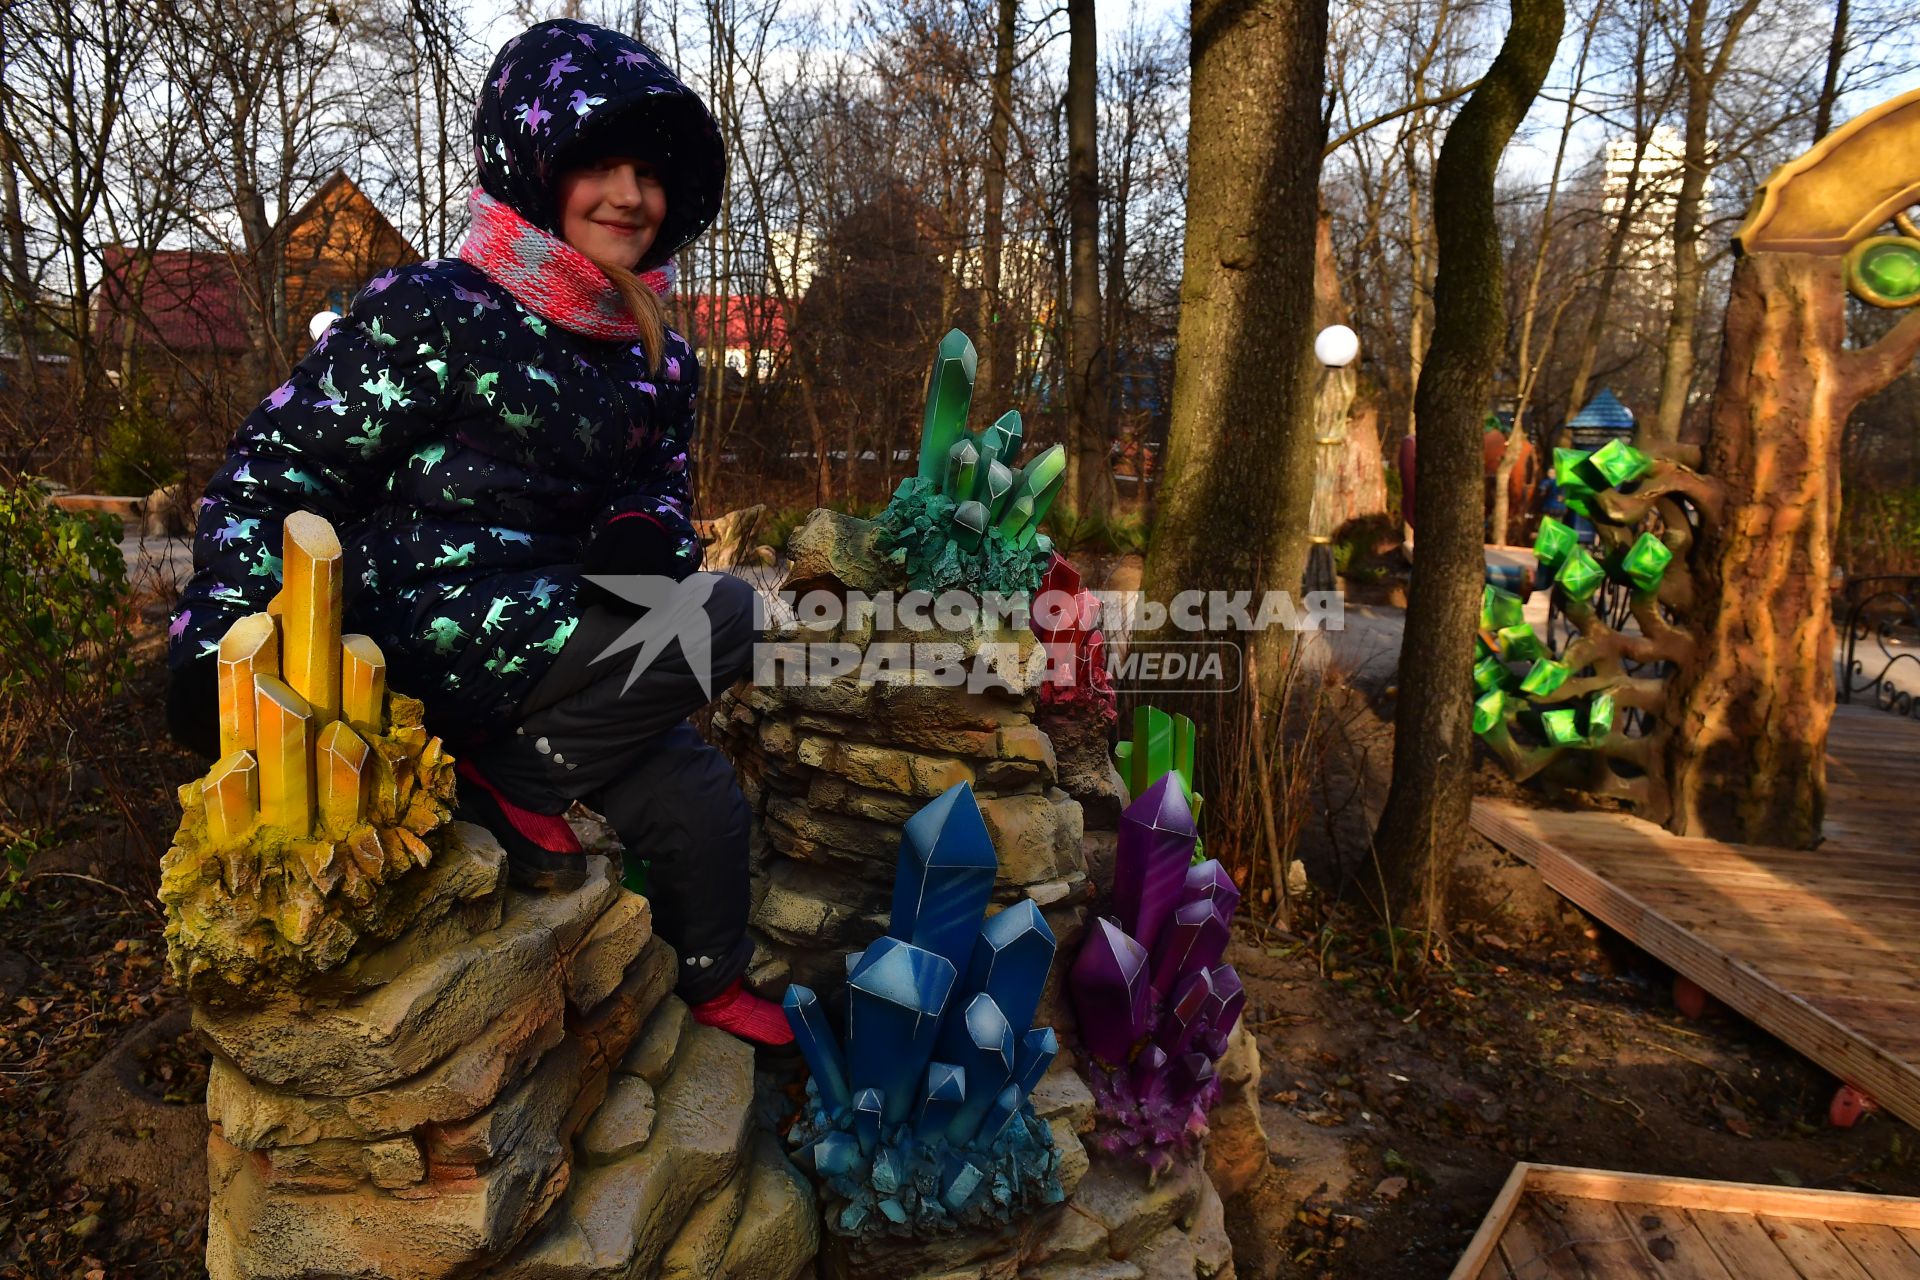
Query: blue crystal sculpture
1156	1002
922	1121
944	877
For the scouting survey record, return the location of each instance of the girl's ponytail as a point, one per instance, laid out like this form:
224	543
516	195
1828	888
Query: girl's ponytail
644	303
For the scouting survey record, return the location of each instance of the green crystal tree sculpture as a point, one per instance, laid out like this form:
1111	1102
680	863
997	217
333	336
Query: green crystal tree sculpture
966	519
1562	712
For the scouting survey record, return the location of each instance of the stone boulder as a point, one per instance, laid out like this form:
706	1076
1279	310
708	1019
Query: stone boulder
462	1090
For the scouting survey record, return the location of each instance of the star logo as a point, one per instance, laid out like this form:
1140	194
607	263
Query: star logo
673	611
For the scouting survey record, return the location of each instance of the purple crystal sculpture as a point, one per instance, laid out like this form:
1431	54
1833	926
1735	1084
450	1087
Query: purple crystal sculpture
1110	991
1155	1000
1150	866
921	1121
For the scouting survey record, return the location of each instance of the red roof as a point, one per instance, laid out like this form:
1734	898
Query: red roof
753	321
189	299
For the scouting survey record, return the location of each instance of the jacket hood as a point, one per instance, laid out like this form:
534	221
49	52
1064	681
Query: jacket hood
565	89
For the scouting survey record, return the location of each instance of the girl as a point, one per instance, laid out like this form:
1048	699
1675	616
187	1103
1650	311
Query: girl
483	432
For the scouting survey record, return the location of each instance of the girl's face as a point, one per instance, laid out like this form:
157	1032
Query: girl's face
612	209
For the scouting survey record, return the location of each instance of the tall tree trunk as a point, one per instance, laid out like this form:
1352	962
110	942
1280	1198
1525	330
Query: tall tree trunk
1089	472
22	302
1702	78
1609	276
1830	87
1428	802
994	367
1676	357
1746	760
1233	500
1527	366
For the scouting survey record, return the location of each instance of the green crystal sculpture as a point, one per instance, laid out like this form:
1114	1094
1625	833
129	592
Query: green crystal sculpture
1161	744
1544	677
1575	479
1500	609
1645	563
1619	463
1518	643
1562	726
967	519
1489	710
1580	574
1554	542
1599	716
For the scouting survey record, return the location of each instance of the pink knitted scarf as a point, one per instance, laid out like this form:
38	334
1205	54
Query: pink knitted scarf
547	275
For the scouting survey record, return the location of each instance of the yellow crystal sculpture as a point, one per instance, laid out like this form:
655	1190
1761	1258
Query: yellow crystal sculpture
310	605
251	644
291	851
363	682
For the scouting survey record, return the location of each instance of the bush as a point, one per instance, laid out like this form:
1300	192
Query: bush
141	453
1879	532
64	613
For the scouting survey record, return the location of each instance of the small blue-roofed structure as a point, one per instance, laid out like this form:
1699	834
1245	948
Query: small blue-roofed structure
1601	419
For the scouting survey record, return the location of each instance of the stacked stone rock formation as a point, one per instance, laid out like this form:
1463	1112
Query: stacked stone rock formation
418	1072
509	1092
833	772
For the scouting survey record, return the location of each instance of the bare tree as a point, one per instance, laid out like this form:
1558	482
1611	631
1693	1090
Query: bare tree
1430	796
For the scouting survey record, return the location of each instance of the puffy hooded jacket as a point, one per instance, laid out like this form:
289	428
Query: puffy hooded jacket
465	447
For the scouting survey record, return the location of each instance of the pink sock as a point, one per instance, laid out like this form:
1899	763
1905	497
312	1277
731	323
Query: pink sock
548	830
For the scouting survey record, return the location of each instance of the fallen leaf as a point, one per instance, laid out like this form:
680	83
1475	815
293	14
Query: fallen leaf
1390	1188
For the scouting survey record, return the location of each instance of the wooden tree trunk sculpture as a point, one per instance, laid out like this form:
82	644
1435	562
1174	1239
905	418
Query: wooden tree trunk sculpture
1747	758
1730	569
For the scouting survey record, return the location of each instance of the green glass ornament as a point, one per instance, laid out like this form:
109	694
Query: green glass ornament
1575	480
1645	563
1500	609
1562	726
1544	677
1620	463
1600	716
1488	710
1518	643
1554	542
1885	271
1489	673
1579	574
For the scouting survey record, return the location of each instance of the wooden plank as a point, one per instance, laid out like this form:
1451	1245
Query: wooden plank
1603	1239
1675	1245
1742	1245
1838	1048
1536	1246
1733	1197
1549	1239
1813	1250
1484	1247
1879	1250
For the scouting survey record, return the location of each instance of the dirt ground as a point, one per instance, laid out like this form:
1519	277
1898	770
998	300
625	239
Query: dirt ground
1394	1107
1394	1111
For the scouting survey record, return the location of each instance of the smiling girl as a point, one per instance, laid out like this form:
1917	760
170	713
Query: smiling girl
487	431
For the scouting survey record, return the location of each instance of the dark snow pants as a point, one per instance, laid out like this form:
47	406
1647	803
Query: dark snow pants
628	752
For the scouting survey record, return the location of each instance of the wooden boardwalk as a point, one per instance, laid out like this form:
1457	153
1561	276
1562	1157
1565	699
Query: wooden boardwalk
1820	947
1551	1223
